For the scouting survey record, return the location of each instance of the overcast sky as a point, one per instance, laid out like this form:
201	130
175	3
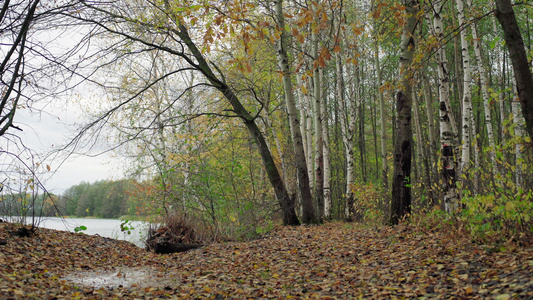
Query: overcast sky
53	126
43	132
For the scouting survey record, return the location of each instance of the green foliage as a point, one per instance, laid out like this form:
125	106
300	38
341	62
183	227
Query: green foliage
370	203
126	226
220	183
499	205
501	215
80	229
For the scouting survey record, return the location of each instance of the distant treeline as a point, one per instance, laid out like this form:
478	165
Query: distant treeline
27	204
102	199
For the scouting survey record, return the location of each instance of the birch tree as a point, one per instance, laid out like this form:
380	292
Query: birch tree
317	122
326	154
347	120
446	120
500	83
401	185
467	90
518	120
485	94
168	20
298	146
382	112
306	127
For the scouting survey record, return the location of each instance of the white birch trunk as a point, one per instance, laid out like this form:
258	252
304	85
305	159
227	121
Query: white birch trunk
428	97
476	152
319	138
190	130
418	134
299	154
310	137
448	132
306	128
327	163
347	120
518	120
302	102
382	114
486	97
499	68
467	90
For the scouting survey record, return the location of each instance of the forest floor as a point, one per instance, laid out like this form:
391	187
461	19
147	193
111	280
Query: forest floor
333	261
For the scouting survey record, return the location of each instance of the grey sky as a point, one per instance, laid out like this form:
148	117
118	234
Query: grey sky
45	131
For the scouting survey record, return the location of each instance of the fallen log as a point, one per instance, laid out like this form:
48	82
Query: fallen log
168	247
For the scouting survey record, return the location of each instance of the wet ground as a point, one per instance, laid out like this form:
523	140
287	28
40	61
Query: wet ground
122	277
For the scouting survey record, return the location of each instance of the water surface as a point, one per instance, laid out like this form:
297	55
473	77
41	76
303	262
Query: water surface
103	227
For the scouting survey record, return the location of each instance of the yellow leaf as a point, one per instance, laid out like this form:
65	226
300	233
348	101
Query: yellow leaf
48	168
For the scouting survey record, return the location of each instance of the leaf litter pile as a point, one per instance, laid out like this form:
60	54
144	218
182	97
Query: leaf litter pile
333	261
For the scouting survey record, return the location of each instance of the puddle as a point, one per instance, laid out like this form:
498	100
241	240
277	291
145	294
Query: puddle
125	277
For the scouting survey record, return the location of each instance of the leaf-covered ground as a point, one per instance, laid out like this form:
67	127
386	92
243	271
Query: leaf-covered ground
332	261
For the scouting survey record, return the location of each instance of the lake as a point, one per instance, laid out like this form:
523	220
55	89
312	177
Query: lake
103	227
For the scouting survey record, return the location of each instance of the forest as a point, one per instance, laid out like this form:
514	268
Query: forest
101	199
247	114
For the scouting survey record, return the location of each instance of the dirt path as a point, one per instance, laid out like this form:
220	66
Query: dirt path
300	262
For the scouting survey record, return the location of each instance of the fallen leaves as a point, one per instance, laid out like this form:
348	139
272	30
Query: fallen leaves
305	262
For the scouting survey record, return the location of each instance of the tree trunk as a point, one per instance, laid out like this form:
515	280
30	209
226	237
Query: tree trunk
432	143
310	138
446	120
457	58
285	201
486	97
361	119
382	115
518	132
307	129
326	153
292	112
517	52
467	91
319	139
422	161
475	152
401	185
500	83
347	120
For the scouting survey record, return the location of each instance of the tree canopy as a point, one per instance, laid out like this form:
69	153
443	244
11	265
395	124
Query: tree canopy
244	113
